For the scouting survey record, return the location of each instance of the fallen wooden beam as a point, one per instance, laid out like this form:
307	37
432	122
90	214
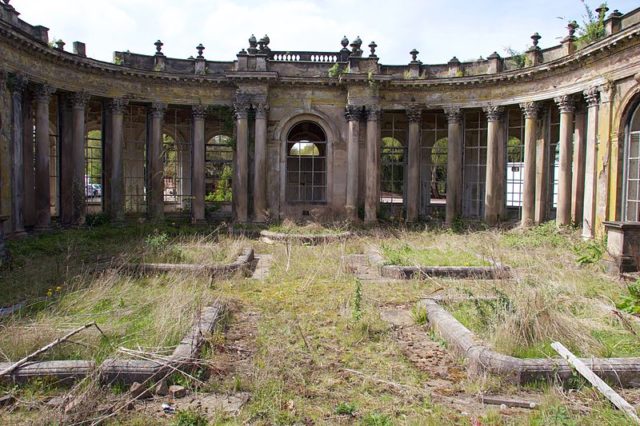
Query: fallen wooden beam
493	400
45	349
596	381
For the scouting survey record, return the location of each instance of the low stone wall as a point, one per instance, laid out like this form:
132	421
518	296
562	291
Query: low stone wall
312	239
496	271
481	359
241	264
127	371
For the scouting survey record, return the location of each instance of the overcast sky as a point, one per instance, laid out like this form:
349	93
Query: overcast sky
439	29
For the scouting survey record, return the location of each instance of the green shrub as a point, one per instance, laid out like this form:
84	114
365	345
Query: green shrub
346	409
189	418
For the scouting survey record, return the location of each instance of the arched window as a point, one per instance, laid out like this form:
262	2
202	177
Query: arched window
306	164
631	210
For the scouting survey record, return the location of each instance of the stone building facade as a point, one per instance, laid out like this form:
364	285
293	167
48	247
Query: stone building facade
554	133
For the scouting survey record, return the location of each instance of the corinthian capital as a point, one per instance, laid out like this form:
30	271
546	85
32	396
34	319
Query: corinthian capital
592	96
414	114
454	114
262	109
80	99
530	110
199	111
353	112
494	112
118	105
565	103
158	109
373	113
44	92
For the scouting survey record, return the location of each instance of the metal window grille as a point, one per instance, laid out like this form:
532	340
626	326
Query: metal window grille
475	164
433	161
135	159
515	158
393	159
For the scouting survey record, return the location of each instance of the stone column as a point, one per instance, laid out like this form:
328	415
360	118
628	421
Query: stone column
198	165
414	115
116	209
541	208
592	96
577	180
530	110
567	109
372	168
43	190
155	194
18	85
353	114
66	163
242	161
29	195
260	164
606	189
79	103
494	194
454	165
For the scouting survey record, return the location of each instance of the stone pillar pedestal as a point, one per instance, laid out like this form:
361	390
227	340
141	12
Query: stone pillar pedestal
241	193
198	165
260	165
116	210
79	102
372	169
353	114
454	165
592	96
494	197
567	109
413	175
623	246
531	111
43	189
577	180
155	193
18	85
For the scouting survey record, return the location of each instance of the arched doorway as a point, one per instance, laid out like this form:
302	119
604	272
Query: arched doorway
631	187
306	175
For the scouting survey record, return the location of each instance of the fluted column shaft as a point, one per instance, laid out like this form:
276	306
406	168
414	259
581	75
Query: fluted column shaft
563	210
260	164
542	174
577	179
79	102
372	190
494	190
156	168
116	210
242	162
531	111
18	85
413	174
454	165
353	114
198	165
29	196
592	96
43	189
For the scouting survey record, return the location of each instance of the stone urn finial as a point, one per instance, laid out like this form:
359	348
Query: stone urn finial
536	39
372	48
266	40
200	48
60	44
602	10
572	27
159	45
414	55
253	45
344	43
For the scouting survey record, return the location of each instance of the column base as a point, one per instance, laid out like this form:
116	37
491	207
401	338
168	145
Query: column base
199	222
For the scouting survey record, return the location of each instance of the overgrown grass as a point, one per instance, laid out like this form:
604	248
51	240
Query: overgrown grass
307	341
406	255
307	228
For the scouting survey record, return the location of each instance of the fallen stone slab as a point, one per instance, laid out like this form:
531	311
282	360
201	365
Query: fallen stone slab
242	264
481	359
